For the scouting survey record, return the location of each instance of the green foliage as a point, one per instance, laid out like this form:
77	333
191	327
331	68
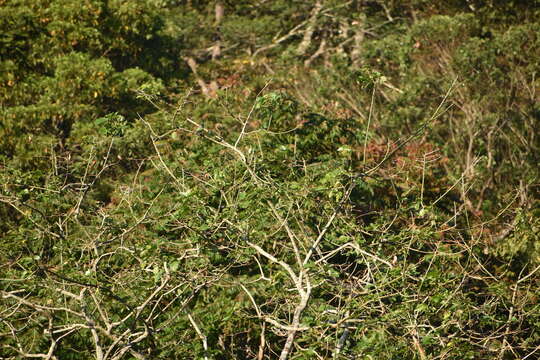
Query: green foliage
112	124
65	62
374	195
278	108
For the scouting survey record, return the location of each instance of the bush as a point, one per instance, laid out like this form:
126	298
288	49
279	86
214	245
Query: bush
361	181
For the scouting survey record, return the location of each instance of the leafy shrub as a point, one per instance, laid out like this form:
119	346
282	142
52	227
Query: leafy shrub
378	199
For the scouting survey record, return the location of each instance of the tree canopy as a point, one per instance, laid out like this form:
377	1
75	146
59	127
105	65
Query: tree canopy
269	179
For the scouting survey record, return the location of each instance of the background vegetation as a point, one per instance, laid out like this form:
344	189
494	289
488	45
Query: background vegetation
269	179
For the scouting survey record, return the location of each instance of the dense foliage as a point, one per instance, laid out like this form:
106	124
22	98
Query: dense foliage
269	179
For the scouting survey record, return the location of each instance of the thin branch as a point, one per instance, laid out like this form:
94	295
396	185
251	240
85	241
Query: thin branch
201	335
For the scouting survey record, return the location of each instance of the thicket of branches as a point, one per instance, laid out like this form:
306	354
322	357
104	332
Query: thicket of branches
269	179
